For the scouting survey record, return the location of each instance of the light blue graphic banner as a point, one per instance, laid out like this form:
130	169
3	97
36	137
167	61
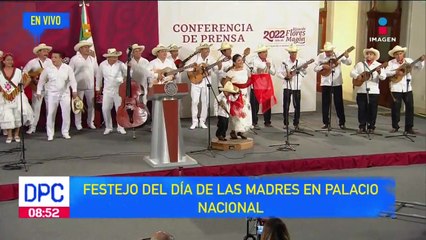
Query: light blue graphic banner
37	22
230	197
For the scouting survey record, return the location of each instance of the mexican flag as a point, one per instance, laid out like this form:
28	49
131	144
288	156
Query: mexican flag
85	30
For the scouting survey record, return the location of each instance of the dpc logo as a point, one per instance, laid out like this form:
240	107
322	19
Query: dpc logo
383	30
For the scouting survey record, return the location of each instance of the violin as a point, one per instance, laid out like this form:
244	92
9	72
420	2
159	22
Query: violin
131	113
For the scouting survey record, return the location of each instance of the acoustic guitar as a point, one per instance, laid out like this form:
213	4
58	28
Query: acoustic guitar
170	71
364	76
404	69
34	75
180	63
296	70
196	76
334	63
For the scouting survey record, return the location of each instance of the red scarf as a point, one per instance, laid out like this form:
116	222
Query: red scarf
264	90
236	107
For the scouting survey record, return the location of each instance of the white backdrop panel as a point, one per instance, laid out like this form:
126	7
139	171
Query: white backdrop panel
245	24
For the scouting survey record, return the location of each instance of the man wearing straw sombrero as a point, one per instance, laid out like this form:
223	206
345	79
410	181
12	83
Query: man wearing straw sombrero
262	65
402	90
292	84
367	108
36	64
332	87
113	72
160	63
85	69
139	65
200	90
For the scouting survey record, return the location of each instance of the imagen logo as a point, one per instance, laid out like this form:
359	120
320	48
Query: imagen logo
382	32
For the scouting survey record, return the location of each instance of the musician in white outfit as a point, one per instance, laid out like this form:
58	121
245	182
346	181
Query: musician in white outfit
367	110
160	63
174	53
292	84
85	68
40	62
261	64
200	90
402	90
225	66
139	66
58	80
113	72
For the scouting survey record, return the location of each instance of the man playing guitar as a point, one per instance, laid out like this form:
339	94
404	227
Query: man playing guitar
34	68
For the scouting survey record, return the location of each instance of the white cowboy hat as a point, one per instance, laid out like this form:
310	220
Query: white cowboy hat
173	47
41	46
137	46
112	52
292	48
159	47
373	50
77	105
262	48
395	49
328	47
82	43
224	46
229	87
203	46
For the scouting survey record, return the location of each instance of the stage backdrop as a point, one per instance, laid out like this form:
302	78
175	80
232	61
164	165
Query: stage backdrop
245	24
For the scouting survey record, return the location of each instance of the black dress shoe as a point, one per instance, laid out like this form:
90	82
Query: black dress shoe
410	131
325	126
296	127
241	135
371	130
233	135
361	130
342	126
221	138
394	130
268	125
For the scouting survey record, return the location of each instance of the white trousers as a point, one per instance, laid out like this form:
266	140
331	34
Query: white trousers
54	99
36	106
90	96
108	101
197	91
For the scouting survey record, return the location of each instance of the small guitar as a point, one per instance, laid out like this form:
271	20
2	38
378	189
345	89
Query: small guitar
358	81
180	63
334	63
165	72
404	69
196	76
34	75
296	70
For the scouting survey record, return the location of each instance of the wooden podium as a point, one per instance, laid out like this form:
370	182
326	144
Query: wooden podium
167	146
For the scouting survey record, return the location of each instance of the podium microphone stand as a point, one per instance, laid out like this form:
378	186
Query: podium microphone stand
209	144
404	134
22	160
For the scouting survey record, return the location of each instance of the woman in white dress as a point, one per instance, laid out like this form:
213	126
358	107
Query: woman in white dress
10	114
240	110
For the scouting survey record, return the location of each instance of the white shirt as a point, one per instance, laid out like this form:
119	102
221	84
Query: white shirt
218	110
221	73
373	82
157	64
140	70
113	76
296	81
259	65
85	71
59	80
337	75
401	86
34	64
